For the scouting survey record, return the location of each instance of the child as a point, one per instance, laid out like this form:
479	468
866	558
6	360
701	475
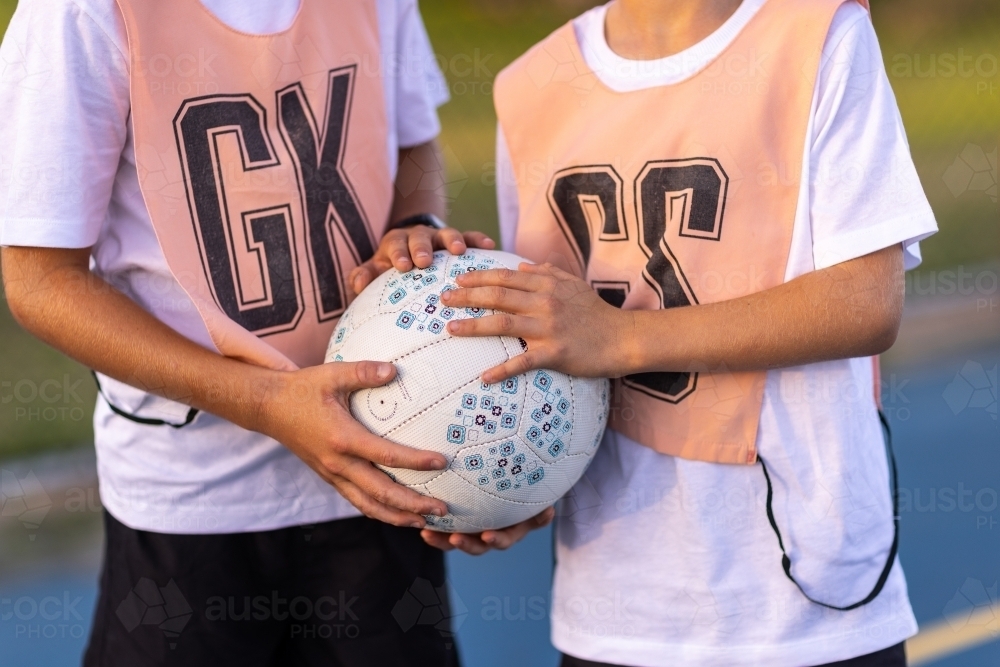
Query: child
192	189
721	202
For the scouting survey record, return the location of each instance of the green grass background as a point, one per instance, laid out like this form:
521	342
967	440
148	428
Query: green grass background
942	116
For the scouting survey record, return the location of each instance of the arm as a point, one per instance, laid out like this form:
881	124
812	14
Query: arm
52	294
852	309
848	310
420	182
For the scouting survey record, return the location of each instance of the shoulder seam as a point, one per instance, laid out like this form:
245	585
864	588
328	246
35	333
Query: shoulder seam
848	29
111	39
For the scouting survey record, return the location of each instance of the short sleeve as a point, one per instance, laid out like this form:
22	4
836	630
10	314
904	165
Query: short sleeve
865	194
64	95
420	86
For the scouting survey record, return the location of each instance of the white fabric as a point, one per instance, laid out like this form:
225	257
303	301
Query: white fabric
668	562
68	180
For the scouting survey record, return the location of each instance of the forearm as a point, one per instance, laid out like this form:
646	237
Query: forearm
78	313
420	183
849	310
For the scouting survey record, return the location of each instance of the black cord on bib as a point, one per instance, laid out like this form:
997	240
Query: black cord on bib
192	413
786	562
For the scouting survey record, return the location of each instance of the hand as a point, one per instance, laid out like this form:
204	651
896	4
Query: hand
308	412
566	325
477	545
405	248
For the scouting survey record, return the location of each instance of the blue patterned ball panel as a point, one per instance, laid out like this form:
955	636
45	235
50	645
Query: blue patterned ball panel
548	422
443	425
509	469
418	288
468	415
415	296
485	412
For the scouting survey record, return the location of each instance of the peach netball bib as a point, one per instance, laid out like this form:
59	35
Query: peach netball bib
670	196
263	163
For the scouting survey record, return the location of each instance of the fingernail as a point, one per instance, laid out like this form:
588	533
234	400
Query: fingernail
384	371
452	327
446	296
487	378
490	540
439	464
421	254
416	524
437	511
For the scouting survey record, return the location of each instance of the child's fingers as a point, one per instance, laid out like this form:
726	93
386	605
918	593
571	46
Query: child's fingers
501	324
518	280
420	245
490	539
508	537
436	539
539	269
361	277
380	488
494	297
479	240
451	240
522	363
470	544
396	248
377	510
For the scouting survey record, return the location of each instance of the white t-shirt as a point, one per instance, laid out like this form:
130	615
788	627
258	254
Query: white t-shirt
68	180
668	562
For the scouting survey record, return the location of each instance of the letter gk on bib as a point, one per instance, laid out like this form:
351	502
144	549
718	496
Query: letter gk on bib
262	190
515	447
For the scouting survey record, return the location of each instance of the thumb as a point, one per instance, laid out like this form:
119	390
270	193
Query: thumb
361	276
351	376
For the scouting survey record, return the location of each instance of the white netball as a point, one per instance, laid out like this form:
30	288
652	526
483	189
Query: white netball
515	447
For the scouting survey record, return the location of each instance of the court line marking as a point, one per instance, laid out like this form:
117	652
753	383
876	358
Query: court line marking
950	636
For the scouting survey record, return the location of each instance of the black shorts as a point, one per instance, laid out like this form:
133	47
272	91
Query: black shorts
894	656
352	592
